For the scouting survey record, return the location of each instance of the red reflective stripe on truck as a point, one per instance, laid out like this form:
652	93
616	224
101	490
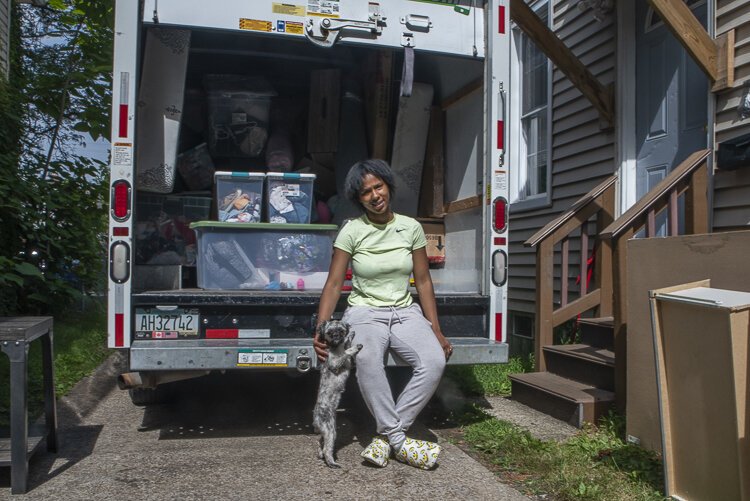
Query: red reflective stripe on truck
122	130
500	135
498	327
500	240
222	333
501	20
119	330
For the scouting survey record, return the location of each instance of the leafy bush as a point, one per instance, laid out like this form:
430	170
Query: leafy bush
52	217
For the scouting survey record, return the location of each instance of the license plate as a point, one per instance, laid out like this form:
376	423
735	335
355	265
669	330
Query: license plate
158	323
262	358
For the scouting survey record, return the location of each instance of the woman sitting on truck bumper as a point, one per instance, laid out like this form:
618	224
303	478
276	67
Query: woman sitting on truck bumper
385	248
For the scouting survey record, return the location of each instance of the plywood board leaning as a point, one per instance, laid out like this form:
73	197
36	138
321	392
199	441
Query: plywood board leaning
654	263
432	196
379	67
323	115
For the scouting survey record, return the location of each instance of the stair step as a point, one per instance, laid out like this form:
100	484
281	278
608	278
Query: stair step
562	398
598	331
585	364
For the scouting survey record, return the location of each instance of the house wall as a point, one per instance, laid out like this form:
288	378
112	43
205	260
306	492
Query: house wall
4	36
583	154
732	188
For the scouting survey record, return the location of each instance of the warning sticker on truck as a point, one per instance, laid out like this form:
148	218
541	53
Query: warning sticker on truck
262	358
290	27
324	8
289	9
122	154
255	25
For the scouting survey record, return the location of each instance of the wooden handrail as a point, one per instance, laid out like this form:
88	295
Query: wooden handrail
571	213
655	196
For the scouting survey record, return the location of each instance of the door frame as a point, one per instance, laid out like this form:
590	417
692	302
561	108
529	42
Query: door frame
625	149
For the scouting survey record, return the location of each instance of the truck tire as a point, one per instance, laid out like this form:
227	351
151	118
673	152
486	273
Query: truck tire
148	396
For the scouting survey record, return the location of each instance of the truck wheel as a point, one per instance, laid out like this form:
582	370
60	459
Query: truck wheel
148	396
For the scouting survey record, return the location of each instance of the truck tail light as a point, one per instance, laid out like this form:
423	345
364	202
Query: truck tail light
119	262
500	214
121	196
499	268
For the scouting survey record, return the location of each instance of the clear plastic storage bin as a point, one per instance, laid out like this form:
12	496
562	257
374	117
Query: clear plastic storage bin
259	256
239	196
289	197
238	114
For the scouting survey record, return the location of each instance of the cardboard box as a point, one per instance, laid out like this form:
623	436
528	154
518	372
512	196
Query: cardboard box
434	231
701	345
655	263
378	69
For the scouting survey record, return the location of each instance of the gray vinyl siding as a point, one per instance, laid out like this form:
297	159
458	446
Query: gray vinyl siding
731	207
4	36
582	153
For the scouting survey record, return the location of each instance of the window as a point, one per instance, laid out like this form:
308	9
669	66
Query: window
531	111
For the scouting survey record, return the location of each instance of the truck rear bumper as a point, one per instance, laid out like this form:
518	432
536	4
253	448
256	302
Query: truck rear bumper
223	354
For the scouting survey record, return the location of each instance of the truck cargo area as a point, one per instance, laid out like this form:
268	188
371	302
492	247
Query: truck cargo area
257	103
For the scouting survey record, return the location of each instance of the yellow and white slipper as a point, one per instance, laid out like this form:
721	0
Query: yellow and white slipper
419	453
377	452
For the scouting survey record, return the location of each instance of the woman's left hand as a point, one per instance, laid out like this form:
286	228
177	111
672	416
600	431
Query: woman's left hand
445	345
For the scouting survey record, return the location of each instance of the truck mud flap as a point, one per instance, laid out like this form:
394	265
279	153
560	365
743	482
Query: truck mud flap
222	354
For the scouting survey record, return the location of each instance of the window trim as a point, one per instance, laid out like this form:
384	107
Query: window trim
517	149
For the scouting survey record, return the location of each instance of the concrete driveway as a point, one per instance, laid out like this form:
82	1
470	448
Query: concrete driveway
236	436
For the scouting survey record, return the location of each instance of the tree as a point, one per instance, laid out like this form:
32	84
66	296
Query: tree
52	218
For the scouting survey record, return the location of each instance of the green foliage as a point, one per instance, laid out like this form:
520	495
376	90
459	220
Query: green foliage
79	347
488	379
52	198
595	464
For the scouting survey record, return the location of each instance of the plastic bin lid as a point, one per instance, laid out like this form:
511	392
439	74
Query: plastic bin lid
208	225
239	174
291	175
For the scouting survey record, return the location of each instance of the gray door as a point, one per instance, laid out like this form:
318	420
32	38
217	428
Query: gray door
671	99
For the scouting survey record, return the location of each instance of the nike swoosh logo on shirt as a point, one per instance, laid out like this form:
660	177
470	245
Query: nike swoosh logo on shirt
400	229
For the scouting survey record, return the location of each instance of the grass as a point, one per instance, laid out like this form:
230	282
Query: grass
80	345
595	464
490	380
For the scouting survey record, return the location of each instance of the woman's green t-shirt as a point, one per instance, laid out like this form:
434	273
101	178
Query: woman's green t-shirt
381	259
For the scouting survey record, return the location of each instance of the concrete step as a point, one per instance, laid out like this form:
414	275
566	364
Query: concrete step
597	332
564	399
586	364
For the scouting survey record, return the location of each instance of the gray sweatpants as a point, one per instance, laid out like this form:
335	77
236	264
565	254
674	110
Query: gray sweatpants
408	334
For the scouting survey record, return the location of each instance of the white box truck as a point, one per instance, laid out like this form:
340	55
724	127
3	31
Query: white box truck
203	86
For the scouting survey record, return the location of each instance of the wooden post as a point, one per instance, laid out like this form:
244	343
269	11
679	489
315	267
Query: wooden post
620	316
544	297
696	202
603	270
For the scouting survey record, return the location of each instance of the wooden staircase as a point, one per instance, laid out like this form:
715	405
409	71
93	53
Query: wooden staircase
579	383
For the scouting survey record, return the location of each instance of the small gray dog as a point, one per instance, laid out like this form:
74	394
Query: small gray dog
333	375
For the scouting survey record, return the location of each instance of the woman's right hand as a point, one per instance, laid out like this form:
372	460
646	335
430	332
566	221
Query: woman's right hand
321	349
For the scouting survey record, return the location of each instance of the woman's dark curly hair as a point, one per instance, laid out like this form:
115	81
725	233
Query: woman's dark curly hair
378	168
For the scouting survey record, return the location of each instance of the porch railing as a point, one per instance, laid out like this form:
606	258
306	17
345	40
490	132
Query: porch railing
607	292
598	204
